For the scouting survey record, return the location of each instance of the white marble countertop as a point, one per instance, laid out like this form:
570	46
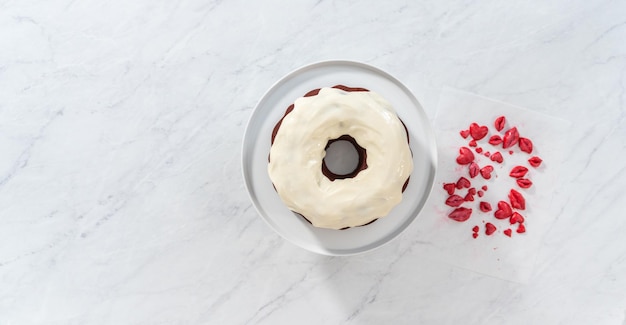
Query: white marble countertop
121	192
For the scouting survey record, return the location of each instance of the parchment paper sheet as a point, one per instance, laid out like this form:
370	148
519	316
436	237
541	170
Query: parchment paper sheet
451	241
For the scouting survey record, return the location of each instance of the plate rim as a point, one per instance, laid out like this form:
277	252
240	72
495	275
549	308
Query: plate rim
311	66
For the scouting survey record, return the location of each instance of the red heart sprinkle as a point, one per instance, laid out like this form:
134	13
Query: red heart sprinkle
465	156
472	143
507	232
463	182
487	153
524	183
475	235
449	187
477	131
475	229
485	206
495	140
464	133
511	137
484	187
525	145
460	214
517	200
472	191
504	210
473	169
469	197
535	161
521	229
485	172
518	171
480	193
516	218
479	150
489	228
454	200
499	123
497	157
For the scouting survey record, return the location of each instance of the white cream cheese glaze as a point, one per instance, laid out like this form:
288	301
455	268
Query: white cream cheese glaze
296	155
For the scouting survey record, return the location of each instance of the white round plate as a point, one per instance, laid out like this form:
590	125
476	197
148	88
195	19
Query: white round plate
256	147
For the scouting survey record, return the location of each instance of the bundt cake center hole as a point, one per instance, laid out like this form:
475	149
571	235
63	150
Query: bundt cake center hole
341	157
344	158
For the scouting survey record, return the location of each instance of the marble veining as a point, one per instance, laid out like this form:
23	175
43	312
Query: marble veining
121	193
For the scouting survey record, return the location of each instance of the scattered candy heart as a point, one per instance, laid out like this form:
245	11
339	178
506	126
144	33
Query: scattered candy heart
478	132
489	228
465	156
463	182
497	157
485	172
516	218
504	210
